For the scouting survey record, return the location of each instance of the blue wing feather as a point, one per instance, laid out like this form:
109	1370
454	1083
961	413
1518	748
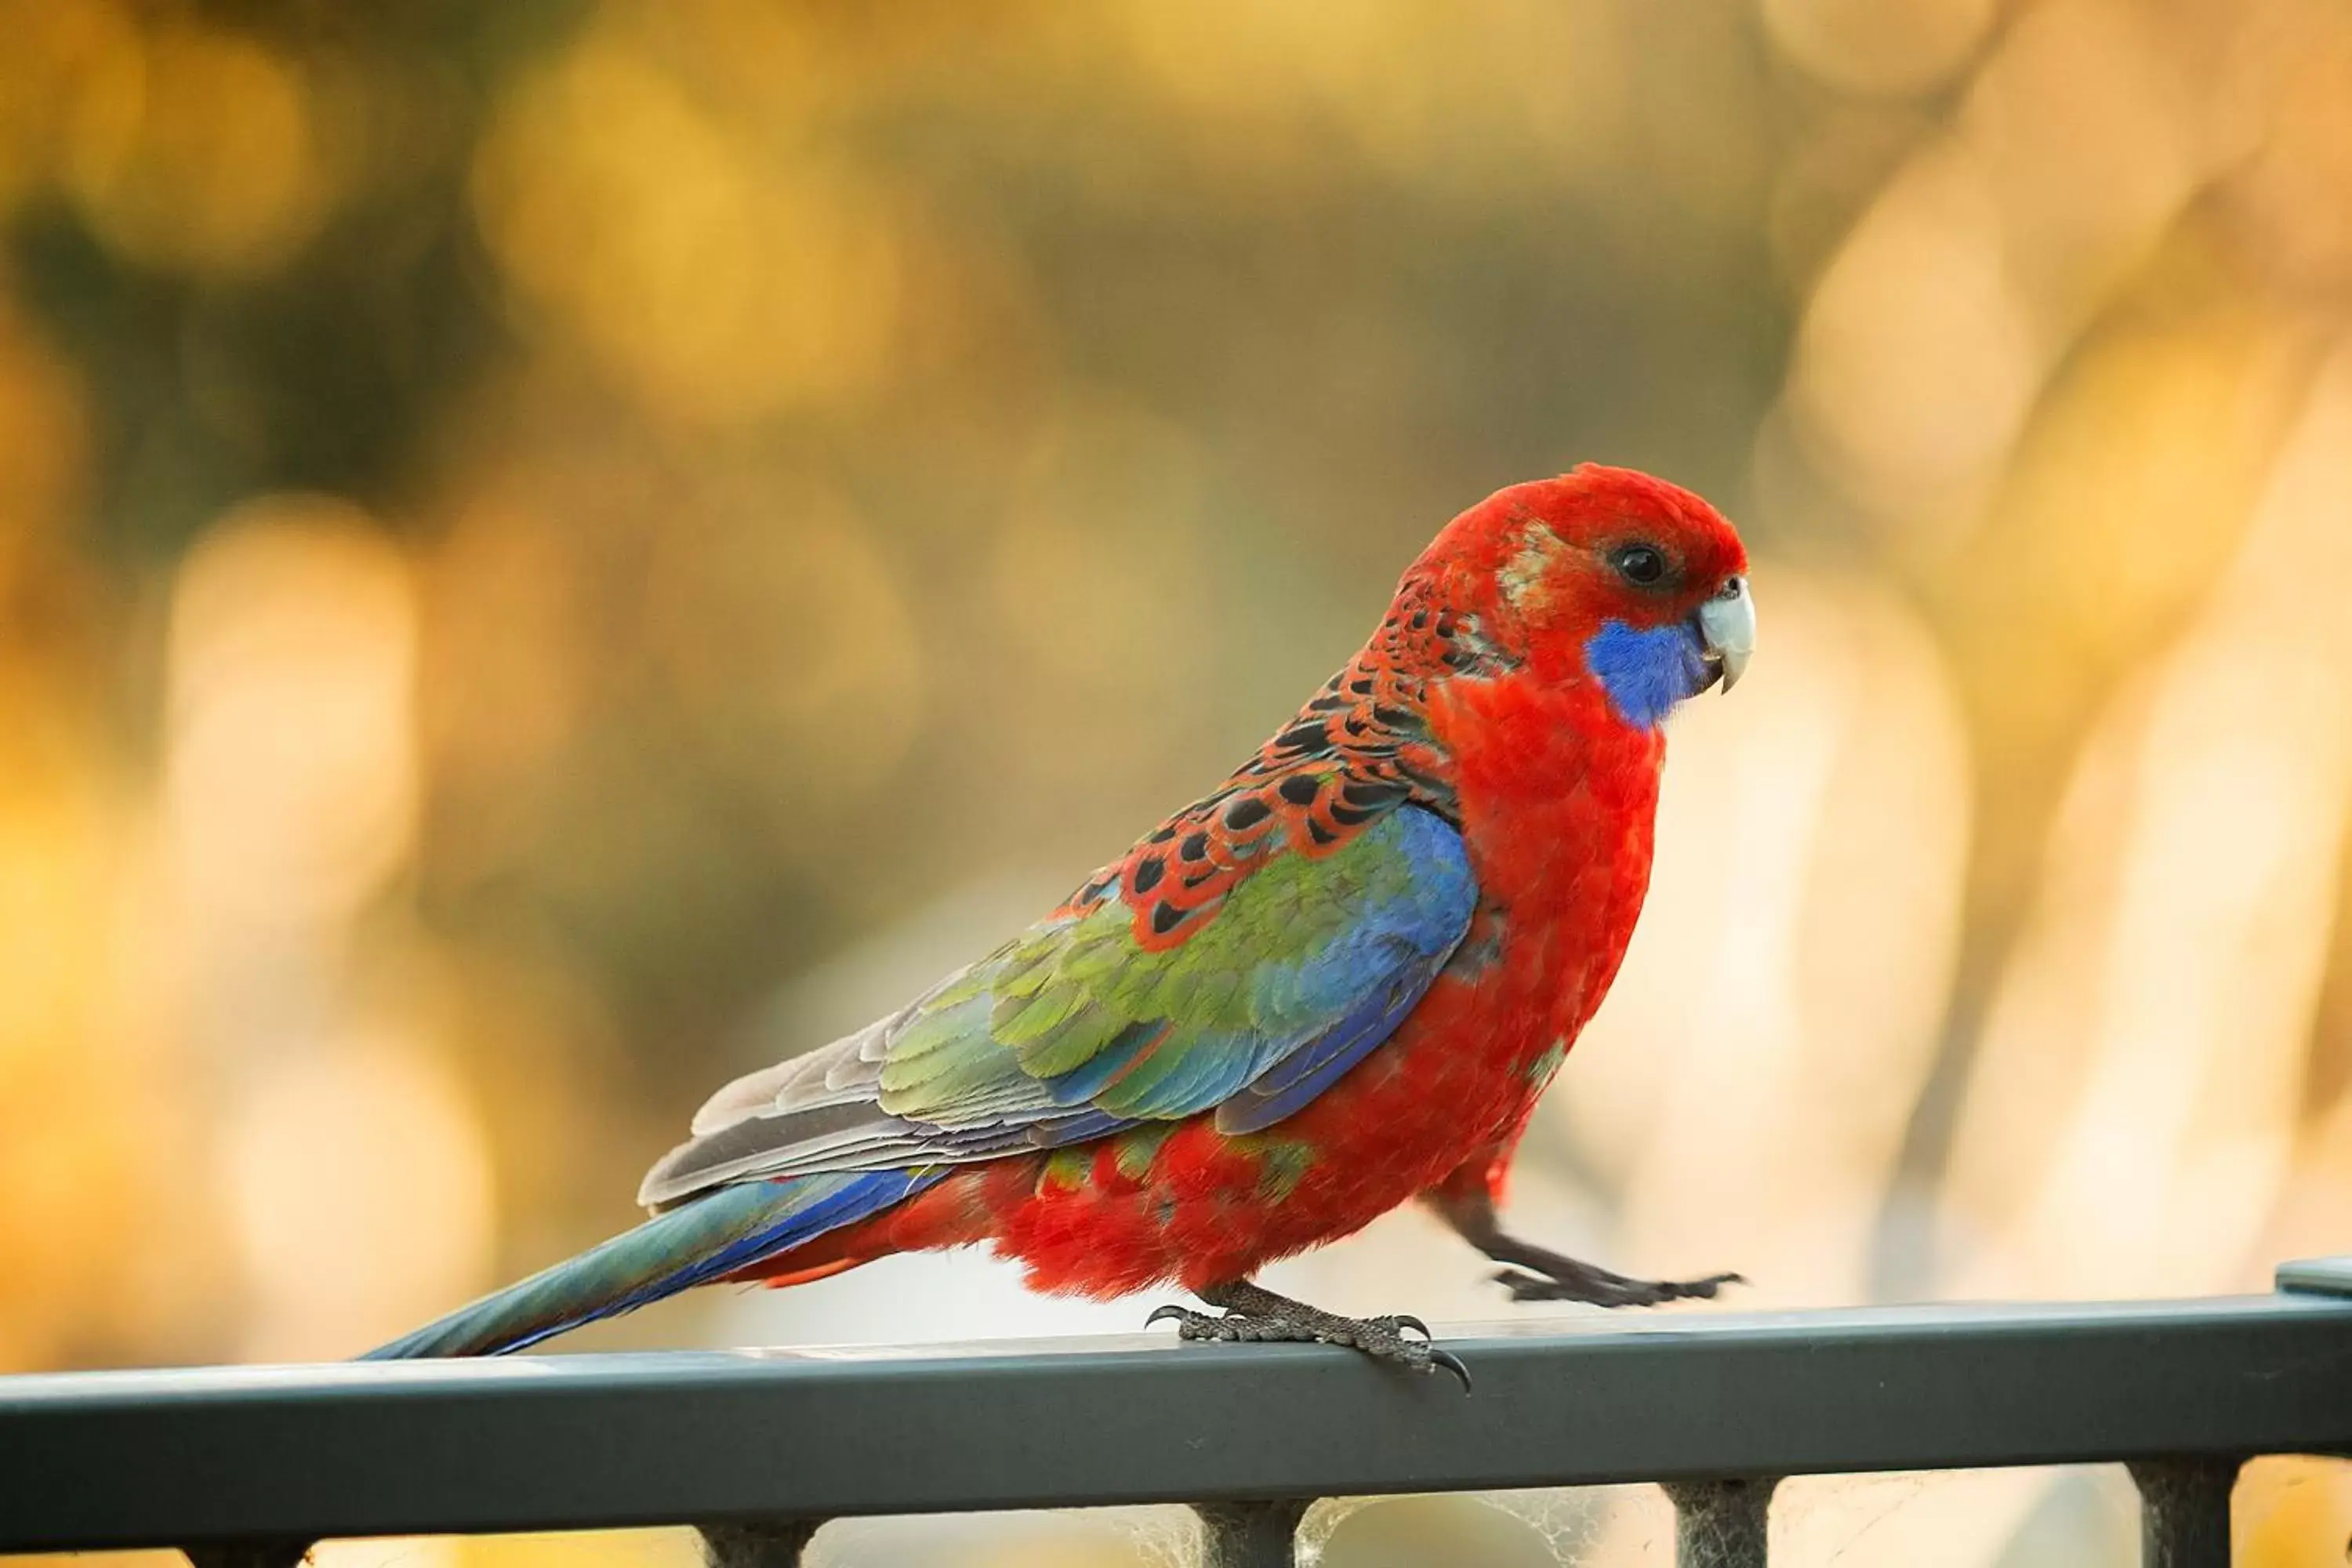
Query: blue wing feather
730	1228
1297	1079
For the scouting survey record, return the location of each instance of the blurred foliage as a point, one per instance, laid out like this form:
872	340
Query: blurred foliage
552	552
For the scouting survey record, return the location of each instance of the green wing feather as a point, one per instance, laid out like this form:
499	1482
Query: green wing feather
1288	954
1074	1028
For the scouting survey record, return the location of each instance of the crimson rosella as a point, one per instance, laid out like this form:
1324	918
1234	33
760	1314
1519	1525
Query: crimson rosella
1336	983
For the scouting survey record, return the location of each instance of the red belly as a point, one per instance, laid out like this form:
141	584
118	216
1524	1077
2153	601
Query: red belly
1209	1208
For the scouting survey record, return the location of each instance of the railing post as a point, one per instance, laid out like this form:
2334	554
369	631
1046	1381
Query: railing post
763	1545
1722	1524
2184	1512
1249	1534
284	1553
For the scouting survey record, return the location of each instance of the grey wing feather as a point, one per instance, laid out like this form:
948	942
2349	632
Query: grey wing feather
845	1072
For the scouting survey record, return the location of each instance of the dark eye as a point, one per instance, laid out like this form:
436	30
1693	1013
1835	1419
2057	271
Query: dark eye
1643	565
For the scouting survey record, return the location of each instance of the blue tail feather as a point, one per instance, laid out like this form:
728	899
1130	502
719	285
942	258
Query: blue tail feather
713	1236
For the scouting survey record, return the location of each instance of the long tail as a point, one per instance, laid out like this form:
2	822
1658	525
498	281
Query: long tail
714	1235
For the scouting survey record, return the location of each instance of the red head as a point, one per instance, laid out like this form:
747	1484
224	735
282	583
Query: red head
1601	573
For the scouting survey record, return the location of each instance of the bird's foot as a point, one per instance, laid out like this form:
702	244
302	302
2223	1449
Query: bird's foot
1547	1277
1256	1315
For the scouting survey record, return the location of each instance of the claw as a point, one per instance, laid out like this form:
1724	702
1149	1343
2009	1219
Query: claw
1169	1313
1407	1320
1451	1364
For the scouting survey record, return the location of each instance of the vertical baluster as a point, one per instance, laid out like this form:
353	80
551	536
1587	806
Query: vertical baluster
1251	1534
765	1545
1721	1524
2184	1512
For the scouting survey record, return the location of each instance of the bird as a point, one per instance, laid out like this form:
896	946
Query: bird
1335	985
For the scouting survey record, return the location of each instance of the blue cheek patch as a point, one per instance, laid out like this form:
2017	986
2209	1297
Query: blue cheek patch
1645	673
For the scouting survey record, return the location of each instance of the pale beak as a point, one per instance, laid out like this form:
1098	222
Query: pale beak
1727	627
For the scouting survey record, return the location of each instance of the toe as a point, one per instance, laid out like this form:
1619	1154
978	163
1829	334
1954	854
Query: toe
1697	1290
1527	1287
1614	1291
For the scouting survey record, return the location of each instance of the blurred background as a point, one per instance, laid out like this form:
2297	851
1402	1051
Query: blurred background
554	553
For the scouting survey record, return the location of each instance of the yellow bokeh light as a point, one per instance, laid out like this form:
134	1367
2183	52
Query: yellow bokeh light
2091	140
40	464
359	1181
597	1548
55	53
1868	45
290	787
1259	88
1937	1520
725	288
1916	362
2298	186
2292	1511
1093	584
2130	1120
193	148
784	636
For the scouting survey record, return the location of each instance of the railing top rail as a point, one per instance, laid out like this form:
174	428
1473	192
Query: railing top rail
128	1458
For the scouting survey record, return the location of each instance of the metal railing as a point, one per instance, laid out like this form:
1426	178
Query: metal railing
245	1465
